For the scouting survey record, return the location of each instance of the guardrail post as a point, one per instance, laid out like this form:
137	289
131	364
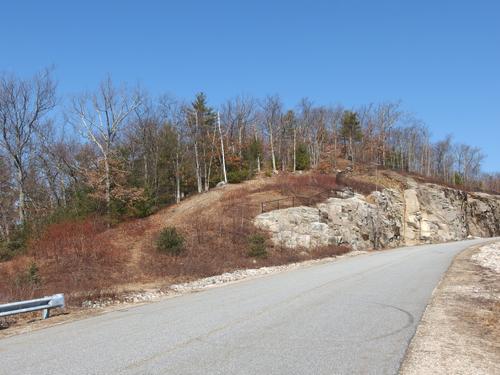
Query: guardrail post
44	305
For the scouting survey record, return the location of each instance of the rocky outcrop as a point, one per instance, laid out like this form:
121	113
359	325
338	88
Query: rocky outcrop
421	213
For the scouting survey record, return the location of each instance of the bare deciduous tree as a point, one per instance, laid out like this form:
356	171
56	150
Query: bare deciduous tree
23	105
99	118
272	112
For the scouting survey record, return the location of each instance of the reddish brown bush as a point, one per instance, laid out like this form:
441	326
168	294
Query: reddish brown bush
14	284
86	260
212	245
362	187
220	244
74	255
68	257
302	185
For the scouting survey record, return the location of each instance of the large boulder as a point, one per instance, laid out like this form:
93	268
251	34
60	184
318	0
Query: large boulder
352	221
296	227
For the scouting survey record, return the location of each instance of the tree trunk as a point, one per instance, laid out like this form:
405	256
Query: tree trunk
222	148
240	139
383	150
208	174
146	171
272	149
177	179
206	170
63	193
108	184
22	196
335	148
198	174
351	152
294	150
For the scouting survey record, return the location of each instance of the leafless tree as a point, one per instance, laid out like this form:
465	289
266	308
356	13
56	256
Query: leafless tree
386	116
468	162
334	117
172	113
99	118
443	159
272	111
237	115
23	105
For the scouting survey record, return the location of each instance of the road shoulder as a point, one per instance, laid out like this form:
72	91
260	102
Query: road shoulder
459	330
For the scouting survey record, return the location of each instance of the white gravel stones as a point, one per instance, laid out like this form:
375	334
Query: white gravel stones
207	282
249	273
489	257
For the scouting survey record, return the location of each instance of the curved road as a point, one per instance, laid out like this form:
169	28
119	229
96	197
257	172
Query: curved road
354	316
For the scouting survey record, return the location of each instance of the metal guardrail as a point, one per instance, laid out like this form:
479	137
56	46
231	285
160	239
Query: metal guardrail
45	304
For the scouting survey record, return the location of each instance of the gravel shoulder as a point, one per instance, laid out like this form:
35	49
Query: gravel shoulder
460	330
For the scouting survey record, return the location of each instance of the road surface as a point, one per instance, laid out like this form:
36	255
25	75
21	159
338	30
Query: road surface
354	316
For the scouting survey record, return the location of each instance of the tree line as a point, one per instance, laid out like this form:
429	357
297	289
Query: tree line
121	152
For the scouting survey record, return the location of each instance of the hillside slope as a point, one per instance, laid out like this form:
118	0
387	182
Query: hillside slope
86	260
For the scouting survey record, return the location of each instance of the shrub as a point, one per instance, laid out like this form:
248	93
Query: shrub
6	252
170	241
302	158
458	179
15	245
257	246
74	256
30	277
362	187
237	176
142	208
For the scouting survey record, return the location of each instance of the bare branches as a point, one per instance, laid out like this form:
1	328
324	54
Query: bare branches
272	111
128	144
99	118
23	105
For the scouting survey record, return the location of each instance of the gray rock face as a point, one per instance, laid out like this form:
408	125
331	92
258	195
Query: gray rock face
423	213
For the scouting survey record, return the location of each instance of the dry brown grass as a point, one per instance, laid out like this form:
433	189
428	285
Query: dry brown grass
301	184
87	260
217	239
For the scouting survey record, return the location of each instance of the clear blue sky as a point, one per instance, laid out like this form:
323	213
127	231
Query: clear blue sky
440	58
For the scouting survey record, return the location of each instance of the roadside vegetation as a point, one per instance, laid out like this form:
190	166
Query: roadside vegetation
170	241
120	190
205	235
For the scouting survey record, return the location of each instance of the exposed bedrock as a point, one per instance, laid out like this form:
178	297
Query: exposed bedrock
421	213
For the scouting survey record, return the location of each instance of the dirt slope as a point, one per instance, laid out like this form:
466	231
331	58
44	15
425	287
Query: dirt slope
135	236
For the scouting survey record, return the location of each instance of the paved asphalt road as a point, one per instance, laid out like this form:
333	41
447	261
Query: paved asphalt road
355	316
